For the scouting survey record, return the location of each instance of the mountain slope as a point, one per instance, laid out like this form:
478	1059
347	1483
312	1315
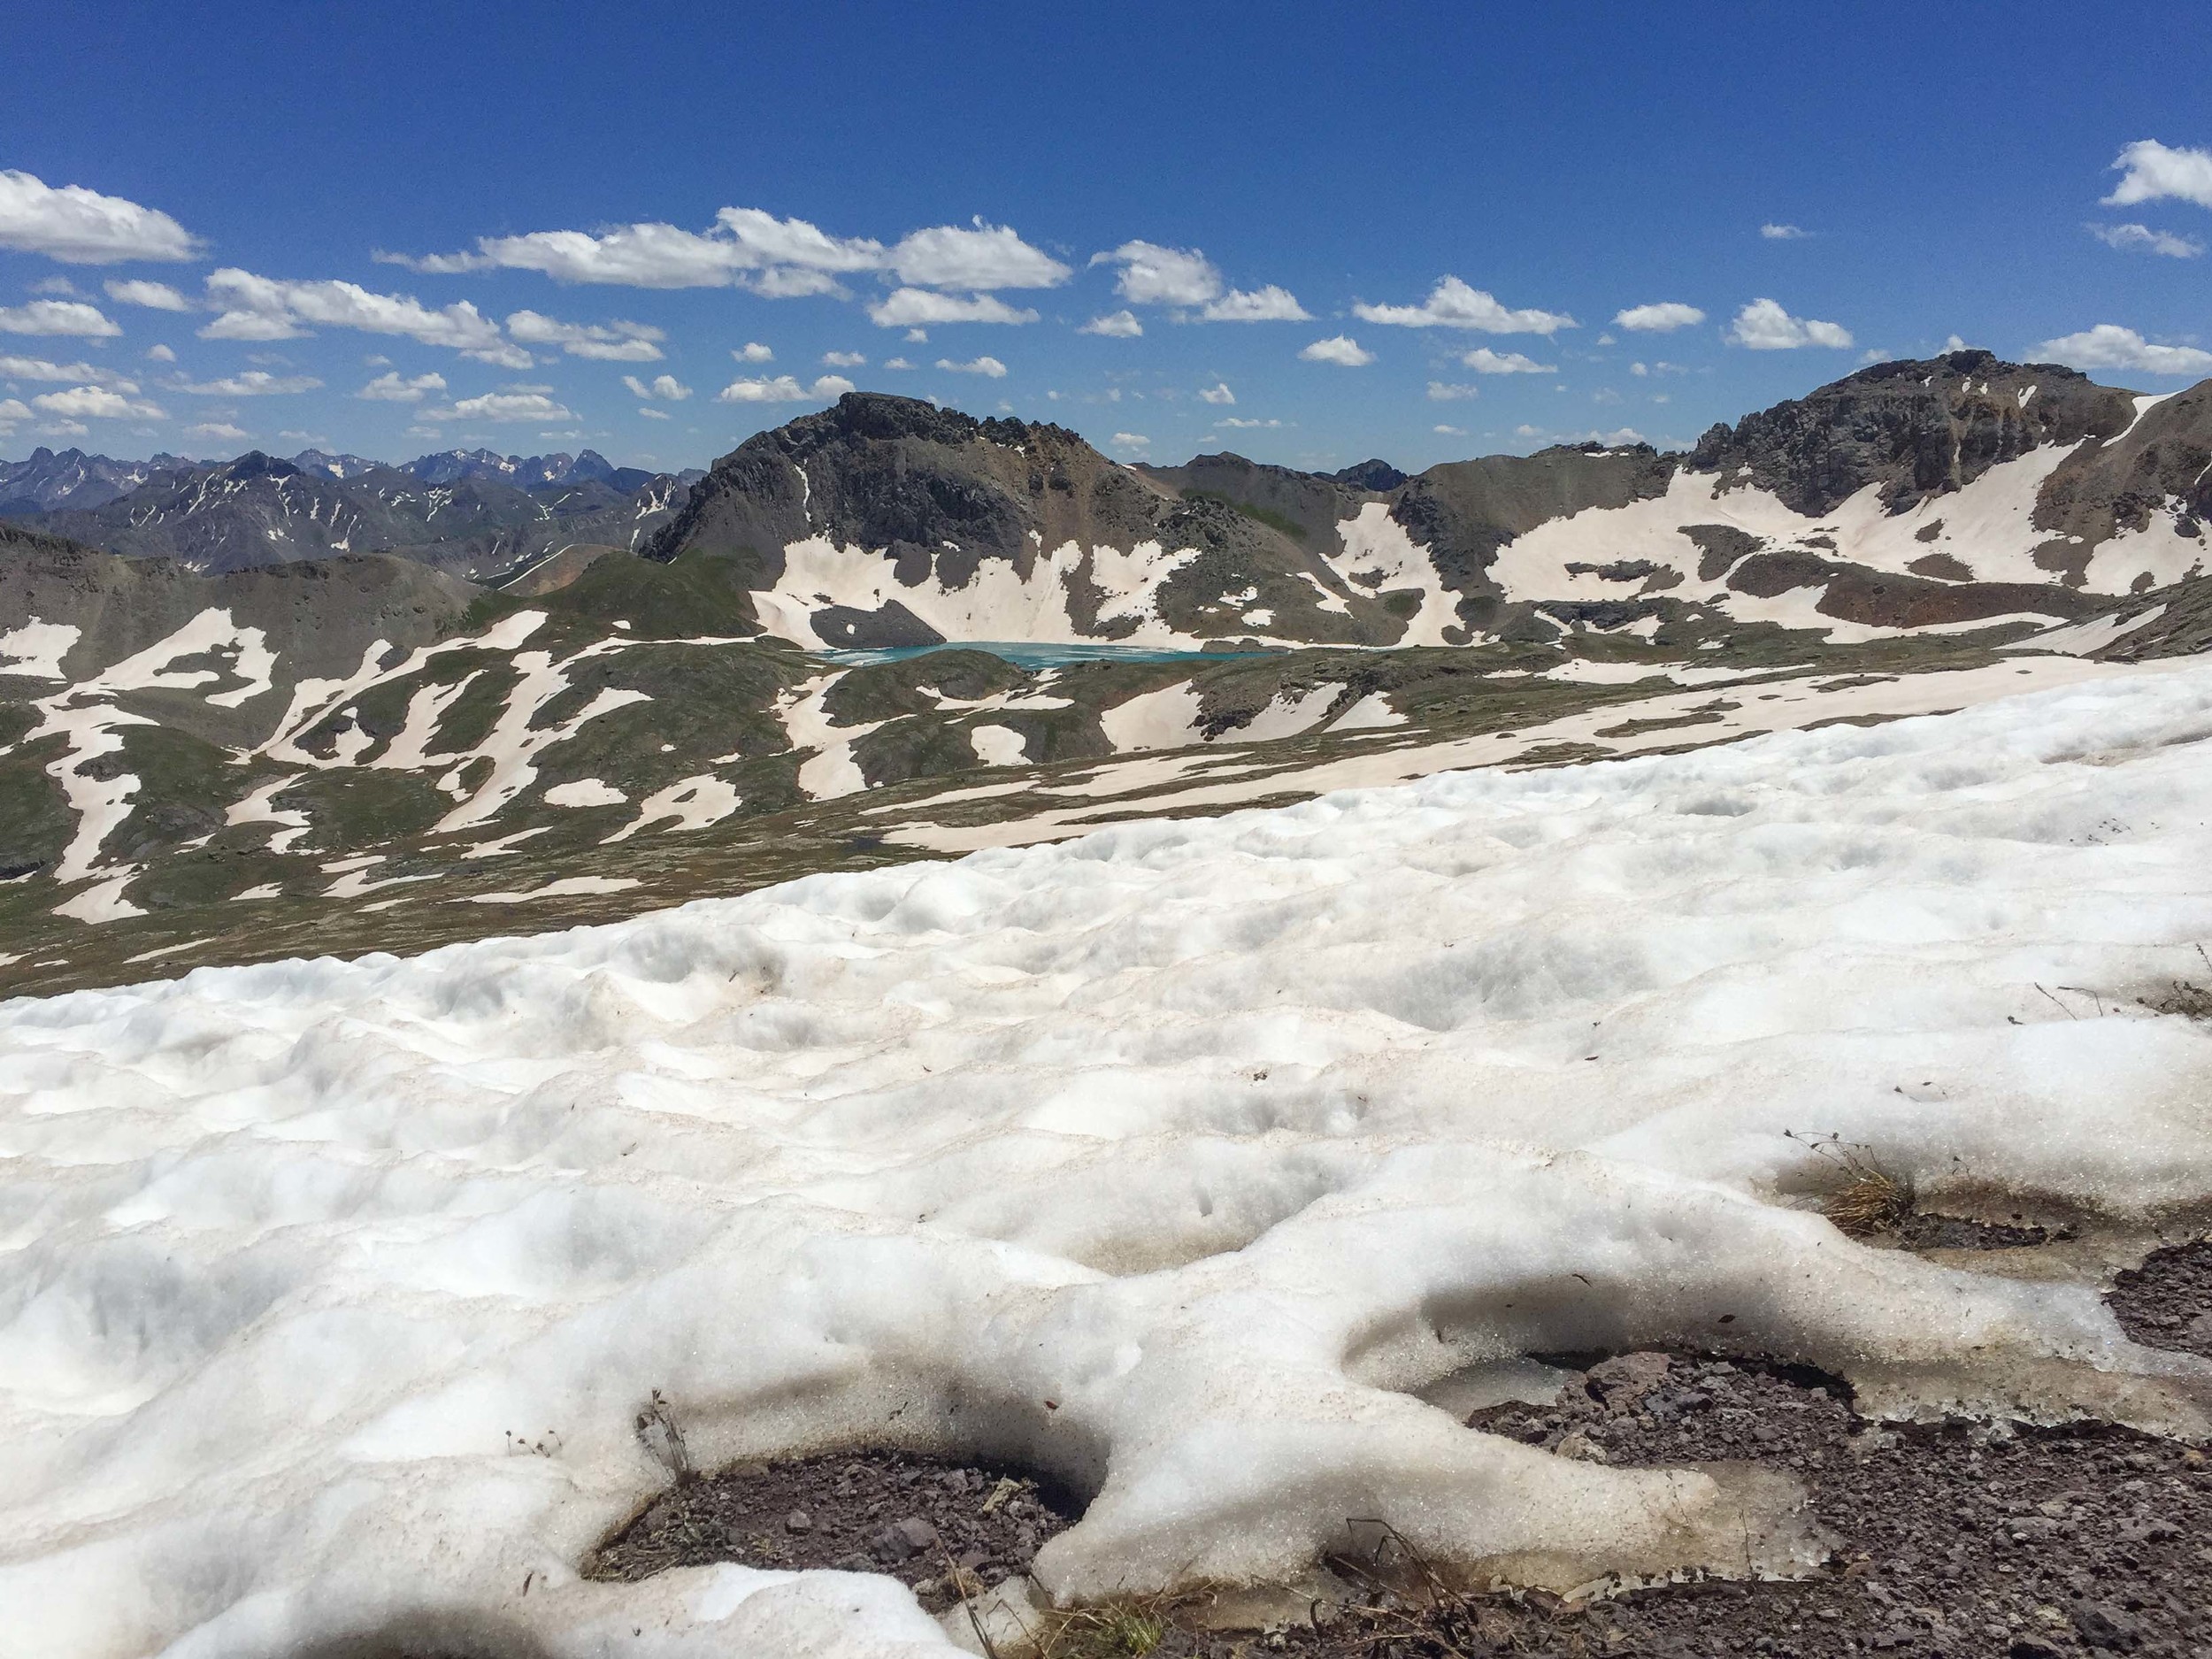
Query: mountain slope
1910	494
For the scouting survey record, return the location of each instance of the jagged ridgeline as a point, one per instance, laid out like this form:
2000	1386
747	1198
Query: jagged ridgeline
548	680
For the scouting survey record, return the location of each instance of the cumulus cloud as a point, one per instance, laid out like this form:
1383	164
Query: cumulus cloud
13	409
1445	392
1339	348
1132	441
14	368
1782	232
1482	360
218	429
1154	275
1114	326
515	403
391	388
260	308
914	307
2143	239
99	402
987	256
896	362
1660	318
1217	393
60	285
81	227
1269	305
752	351
1448	431
161	354
664	386
1763	326
990	368
844	359
157	296
779	258
57	316
2110	345
651	413
2152	172
610	342
1451	303
251	383
1238	424
784	389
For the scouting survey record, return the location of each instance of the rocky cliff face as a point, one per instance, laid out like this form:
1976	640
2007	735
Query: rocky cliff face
1916	429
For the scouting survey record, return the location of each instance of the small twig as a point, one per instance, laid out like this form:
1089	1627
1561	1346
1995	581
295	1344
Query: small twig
2060	1006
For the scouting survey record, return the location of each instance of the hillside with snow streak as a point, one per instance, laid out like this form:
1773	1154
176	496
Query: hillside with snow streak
1175	1161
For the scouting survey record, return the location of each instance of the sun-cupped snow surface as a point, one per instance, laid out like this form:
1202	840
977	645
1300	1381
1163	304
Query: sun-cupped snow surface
1175	1161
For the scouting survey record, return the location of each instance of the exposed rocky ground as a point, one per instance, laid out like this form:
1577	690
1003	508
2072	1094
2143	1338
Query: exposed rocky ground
1950	1539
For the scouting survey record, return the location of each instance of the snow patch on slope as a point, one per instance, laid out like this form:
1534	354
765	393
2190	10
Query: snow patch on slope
1220	1136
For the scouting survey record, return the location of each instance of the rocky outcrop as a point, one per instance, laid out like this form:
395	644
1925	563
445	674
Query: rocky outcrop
1916	428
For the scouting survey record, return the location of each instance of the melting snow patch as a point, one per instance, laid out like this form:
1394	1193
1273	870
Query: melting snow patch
566	887
1173	1162
585	792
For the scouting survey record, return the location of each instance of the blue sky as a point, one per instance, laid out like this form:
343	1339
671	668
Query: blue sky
1887	175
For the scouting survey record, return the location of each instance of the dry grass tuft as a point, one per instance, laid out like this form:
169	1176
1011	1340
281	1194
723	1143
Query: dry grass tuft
1871	1201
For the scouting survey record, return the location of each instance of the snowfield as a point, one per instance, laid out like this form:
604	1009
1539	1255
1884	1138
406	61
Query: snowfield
1177	1160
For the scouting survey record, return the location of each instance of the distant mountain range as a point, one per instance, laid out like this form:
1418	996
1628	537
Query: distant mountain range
473	512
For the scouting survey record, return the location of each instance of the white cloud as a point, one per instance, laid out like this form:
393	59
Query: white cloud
82	374
1154	275
57	316
1660	318
844	359
896	362
1217	393
1132	441
1270	305
990	368
1482	360
261	308
13	409
517	403
664	386
65	429
987	256
1237	423
611	342
1339	348
1763	326
1444	392
1451	303
654	414
1605	395
752	351
2143	239
60	285
917	336
392	388
783	389
222	429
2110	345
909	307
98	401
2152	172
157	296
251	383
1114	326
1449	432
161	354
779	258
81	227
1782	232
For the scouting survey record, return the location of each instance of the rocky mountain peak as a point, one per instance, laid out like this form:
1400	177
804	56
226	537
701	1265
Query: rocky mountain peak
1916	426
